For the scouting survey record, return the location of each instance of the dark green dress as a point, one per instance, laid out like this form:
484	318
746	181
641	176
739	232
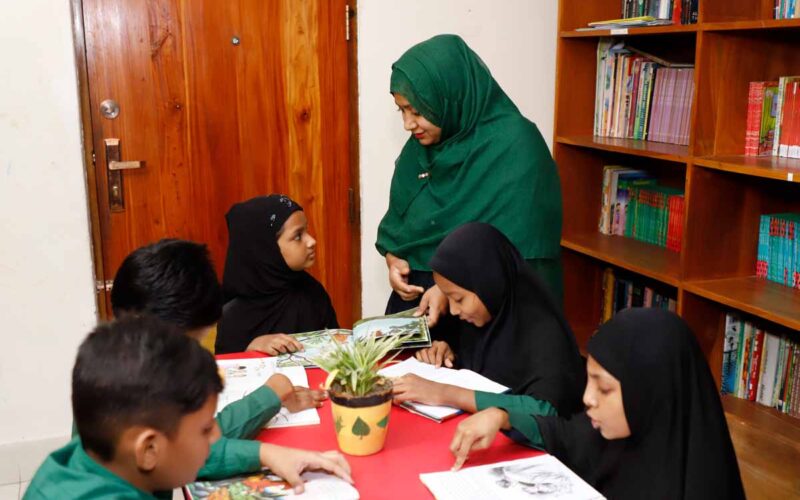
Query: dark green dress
492	164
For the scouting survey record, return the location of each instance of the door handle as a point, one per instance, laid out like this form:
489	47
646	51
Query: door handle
116	193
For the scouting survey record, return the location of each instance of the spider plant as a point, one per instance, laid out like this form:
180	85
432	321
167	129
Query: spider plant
355	365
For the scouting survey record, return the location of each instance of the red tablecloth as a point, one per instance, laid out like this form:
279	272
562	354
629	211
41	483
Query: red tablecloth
414	445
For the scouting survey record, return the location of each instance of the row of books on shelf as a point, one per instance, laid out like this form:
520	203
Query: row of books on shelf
641	96
634	205
786	9
773	118
778	257
678	11
623	292
761	366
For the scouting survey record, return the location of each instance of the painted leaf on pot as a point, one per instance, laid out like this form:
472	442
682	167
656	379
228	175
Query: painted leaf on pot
360	428
338	424
384	422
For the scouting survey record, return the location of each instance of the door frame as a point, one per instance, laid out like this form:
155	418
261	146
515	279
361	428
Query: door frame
90	168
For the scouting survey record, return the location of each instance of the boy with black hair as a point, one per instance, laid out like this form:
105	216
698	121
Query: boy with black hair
175	280
143	398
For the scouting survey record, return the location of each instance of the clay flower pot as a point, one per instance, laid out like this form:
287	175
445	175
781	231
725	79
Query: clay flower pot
361	422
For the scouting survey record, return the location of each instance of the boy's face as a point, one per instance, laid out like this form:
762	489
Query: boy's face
297	246
603	400
184	454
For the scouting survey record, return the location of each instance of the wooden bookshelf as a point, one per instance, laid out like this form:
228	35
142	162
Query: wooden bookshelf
734	42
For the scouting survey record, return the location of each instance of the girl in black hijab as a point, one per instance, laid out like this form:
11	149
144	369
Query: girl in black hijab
653	426
267	290
511	331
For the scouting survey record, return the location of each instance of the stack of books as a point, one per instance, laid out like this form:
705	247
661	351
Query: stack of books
778	256
640	96
678	11
761	366
634	205
773	118
623	292
786	9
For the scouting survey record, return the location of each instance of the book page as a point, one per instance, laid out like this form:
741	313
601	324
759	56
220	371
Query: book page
315	344
243	376
540	477
318	486
396	324
460	378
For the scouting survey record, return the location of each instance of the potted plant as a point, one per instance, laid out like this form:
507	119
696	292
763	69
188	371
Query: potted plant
361	399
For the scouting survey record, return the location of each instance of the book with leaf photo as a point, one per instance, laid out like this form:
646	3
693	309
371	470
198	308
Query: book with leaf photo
320	341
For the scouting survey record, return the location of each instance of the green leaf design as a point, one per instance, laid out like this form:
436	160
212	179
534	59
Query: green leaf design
360	428
339	424
384	422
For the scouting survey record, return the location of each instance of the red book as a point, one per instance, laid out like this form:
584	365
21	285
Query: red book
676	11
755	101
755	365
675	231
787	117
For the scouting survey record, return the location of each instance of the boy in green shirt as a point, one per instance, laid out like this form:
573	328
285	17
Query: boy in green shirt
143	398
175	281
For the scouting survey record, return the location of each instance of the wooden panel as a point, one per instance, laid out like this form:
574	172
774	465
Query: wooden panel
578	14
576	66
767	24
770	167
647	31
647	149
707	321
763	298
642	258
767	446
583	279
735	10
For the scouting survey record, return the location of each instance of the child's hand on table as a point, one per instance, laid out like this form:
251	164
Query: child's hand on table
302	398
412	387
477	432
289	463
275	344
438	354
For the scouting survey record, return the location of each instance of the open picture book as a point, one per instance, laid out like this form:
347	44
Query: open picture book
542	477
264	484
243	376
316	343
467	379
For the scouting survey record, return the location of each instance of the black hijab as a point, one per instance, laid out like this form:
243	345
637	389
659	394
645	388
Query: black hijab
263	294
679	446
527	345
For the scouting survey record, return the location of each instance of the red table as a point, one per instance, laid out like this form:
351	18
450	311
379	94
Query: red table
414	445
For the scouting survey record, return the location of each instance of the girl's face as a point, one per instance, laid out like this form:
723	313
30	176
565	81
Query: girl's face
297	246
603	400
425	132
463	303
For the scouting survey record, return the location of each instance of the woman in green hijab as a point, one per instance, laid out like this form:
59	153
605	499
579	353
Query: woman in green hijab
472	156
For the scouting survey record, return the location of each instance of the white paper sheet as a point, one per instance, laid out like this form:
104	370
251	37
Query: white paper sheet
541	477
243	376
461	378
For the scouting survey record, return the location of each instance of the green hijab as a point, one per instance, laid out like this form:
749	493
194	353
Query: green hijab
491	165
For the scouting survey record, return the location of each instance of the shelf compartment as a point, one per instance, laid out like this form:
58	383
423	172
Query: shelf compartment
644	30
760	297
642	258
763	24
769	167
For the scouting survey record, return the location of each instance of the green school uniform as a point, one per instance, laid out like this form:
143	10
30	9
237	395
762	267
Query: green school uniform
521	412
492	164
70	473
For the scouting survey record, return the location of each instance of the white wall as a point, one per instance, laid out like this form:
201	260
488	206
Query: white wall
515	38
46	286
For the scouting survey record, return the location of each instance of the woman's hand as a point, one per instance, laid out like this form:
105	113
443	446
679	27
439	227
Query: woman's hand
275	344
477	433
398	278
289	463
434	303
438	354
302	398
412	387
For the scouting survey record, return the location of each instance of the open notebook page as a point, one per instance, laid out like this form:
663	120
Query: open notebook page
461	378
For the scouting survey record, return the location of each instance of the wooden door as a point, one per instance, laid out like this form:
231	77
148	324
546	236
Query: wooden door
222	101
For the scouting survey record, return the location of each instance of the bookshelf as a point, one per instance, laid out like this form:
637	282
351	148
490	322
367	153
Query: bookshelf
733	43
